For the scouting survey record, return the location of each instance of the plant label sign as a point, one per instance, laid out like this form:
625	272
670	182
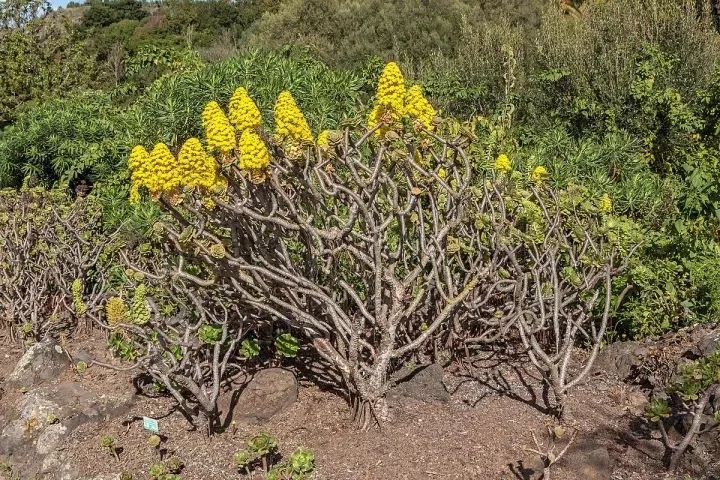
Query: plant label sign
151	425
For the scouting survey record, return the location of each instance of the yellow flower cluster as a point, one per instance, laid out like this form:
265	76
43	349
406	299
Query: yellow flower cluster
606	203
219	133
502	163
160	172
393	102
290	122
418	108
390	95
194	166
254	154
539	174
155	170
242	111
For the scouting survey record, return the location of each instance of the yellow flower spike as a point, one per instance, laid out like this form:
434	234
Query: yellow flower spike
391	89
138	157
605	204
503	163
254	154
242	111
290	123
162	173
195	167
539	174
418	108
116	311
218	131
389	104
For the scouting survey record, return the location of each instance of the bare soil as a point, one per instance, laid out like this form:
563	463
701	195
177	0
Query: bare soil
482	433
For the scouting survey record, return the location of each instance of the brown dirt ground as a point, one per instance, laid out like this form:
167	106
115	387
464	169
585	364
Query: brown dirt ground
480	434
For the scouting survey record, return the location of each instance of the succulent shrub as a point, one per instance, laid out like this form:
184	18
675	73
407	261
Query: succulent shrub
551	257
344	242
371	240
52	252
188	340
689	403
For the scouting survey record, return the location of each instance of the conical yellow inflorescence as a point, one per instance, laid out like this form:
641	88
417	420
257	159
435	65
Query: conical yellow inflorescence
195	167
219	133
139	166
417	107
503	163
155	170
254	154
390	96
165	176
243	112
290	123
394	103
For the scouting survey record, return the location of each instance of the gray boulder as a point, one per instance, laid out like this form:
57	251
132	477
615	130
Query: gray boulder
619	359
41	362
36	428
270	392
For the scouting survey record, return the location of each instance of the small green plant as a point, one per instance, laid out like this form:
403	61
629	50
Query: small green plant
249	348
287	346
158	471
299	467
52	419
126	476
81	367
107	442
261	448
210	334
689	402
168	470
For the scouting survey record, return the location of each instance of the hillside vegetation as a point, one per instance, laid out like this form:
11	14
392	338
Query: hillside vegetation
366	183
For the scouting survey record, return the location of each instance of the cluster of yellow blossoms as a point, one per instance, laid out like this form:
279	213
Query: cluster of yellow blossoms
154	171
243	112
290	123
160	172
219	133
195	167
254	154
539	174
393	102
503	163
418	107
116	311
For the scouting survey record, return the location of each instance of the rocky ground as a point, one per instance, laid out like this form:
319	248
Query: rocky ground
472	420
